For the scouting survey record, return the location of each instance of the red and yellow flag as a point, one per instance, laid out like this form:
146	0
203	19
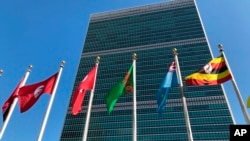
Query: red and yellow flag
213	73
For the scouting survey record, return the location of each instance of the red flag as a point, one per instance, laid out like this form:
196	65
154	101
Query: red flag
86	84
7	104
29	94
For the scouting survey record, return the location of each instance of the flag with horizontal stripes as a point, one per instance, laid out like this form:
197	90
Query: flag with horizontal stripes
213	73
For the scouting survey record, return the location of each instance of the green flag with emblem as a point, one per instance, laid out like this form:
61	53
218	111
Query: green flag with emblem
123	87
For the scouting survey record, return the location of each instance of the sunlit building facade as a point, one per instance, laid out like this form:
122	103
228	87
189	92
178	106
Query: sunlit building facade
150	31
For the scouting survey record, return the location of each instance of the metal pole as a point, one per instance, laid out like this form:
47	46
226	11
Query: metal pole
237	91
134	99
50	103
189	130
86	128
14	102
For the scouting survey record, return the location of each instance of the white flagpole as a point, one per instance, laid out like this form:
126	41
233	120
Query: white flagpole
50	102
189	131
237	91
134	99
14	103
86	128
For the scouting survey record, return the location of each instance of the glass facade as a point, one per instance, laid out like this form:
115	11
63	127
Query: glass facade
151	32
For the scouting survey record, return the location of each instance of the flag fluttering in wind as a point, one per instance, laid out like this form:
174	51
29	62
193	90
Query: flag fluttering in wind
248	102
29	94
121	88
169	81
86	84
7	104
213	73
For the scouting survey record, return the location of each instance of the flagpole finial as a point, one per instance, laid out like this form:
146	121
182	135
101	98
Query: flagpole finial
97	60
134	56
62	63
220	47
1	71
30	67
175	51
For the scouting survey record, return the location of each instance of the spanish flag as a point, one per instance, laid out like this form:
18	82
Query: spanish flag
213	73
248	102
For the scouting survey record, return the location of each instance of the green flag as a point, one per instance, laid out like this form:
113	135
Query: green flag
121	88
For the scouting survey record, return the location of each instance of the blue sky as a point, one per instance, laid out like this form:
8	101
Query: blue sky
43	33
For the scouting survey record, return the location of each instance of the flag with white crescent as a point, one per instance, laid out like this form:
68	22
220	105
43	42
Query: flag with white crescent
29	94
86	84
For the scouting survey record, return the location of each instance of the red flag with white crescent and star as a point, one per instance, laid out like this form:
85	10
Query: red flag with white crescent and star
29	94
86	84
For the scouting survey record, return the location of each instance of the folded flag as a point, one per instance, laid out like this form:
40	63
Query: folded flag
29	94
8	103
121	88
213	73
86	84
169	81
